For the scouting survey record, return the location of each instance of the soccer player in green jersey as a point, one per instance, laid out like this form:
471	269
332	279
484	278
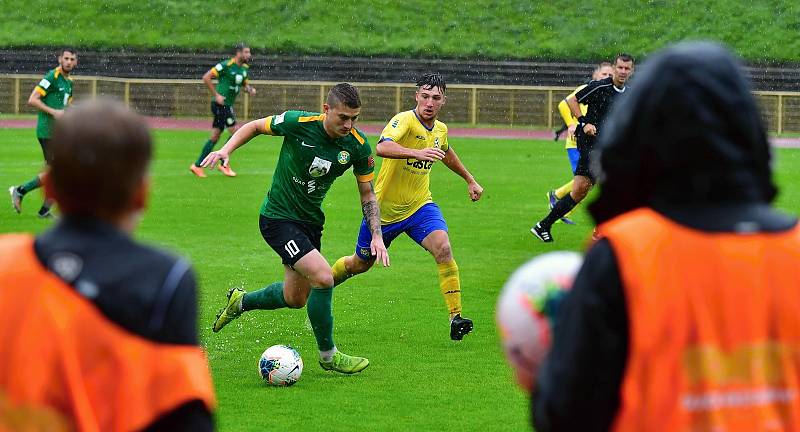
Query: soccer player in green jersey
316	149
231	77
50	96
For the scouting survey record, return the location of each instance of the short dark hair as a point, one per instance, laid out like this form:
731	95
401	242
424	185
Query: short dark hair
100	152
624	57
67	49
431	80
346	94
239	47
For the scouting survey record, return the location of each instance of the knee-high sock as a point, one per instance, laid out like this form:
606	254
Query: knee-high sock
450	284
207	148
319	308
33	184
562	207
564	189
270	297
340	273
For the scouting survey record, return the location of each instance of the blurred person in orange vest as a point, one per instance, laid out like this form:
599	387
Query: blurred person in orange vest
686	316
100	332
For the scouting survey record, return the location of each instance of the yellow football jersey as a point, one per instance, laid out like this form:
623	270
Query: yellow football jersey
403	185
569	119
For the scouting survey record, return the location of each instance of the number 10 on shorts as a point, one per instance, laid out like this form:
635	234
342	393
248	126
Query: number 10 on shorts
291	248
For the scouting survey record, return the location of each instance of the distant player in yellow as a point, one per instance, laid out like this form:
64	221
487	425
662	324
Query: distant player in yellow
604	70
411	144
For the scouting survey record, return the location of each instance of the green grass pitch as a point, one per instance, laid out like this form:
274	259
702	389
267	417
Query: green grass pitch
418	379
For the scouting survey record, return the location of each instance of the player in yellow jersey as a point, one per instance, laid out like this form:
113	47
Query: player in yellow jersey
604	70
411	144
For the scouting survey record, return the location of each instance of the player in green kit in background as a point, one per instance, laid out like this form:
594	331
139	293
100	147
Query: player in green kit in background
316	149
231	77
50	96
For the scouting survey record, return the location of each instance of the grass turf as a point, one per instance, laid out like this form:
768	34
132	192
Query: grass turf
759	31
418	379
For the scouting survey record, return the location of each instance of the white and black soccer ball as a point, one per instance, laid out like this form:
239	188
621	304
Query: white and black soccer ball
526	309
280	365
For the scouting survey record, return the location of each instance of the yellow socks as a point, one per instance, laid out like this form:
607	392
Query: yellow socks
450	284
340	273
564	190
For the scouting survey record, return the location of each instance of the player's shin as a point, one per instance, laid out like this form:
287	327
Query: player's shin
450	285
270	297
207	148
564	190
562	207
320	314
340	272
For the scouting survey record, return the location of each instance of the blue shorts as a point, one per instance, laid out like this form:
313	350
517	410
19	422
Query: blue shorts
424	221
573	154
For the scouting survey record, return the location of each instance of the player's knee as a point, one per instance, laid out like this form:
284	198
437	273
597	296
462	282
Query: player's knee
443	253
323	279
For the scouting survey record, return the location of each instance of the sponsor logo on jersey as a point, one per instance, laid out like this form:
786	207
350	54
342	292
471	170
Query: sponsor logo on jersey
395	123
436	142
343	157
45	84
319	167
239	79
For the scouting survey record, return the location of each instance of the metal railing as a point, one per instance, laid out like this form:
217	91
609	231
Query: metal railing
501	105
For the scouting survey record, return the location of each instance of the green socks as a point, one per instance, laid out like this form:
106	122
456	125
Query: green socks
319	308
270	297
29	186
207	148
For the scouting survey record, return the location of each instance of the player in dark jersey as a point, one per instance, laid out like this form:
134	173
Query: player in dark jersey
317	149
232	76
102	329
599	96
50	97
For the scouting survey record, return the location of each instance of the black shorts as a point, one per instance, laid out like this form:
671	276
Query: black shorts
585	146
291	240
45	152
223	116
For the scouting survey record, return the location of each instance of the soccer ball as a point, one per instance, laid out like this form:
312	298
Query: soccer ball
527	307
280	365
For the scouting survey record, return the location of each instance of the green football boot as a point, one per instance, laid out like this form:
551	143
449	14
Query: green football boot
345	364
231	311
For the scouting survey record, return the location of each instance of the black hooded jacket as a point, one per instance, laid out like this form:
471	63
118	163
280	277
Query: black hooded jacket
690	144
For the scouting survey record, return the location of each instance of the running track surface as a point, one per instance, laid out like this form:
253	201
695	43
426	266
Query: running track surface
170	123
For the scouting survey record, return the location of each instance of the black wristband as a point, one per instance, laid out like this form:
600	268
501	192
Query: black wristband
582	120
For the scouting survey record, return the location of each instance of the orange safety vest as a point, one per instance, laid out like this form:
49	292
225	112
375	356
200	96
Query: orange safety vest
714	323
63	361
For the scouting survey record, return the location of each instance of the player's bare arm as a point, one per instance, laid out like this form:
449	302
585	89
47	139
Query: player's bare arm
392	150
207	81
240	138
452	161
250	89
372	214
35	100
